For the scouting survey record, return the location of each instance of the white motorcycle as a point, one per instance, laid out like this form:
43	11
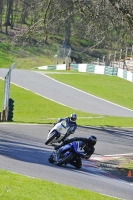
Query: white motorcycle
58	133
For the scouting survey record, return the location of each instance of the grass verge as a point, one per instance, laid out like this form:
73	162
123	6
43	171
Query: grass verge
31	108
15	186
25	57
110	88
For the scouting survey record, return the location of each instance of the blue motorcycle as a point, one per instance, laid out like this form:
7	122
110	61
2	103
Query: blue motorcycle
67	154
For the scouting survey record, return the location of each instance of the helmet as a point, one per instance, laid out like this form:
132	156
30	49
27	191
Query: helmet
73	117
92	140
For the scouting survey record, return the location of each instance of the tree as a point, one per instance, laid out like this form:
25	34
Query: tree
99	21
1	13
9	14
125	8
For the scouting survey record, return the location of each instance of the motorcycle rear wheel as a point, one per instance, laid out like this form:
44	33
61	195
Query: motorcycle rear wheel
65	159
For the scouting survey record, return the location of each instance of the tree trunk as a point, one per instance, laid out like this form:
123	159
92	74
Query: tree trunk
67	32
1	11
24	14
9	11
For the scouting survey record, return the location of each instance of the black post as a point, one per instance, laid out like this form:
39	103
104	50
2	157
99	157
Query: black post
10	109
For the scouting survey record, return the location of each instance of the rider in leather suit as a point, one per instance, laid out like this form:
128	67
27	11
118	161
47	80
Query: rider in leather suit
71	122
86	144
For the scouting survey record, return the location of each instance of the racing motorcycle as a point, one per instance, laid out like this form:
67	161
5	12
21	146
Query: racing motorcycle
66	154
58	133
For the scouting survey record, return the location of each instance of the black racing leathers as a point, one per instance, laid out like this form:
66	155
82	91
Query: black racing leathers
84	145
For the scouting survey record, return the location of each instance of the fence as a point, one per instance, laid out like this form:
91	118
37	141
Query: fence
4	114
96	69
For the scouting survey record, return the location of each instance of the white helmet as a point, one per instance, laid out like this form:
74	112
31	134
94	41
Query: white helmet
73	117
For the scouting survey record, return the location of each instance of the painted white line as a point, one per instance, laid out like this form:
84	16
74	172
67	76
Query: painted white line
99	172
78	118
87	93
115	155
70	87
23	174
43	72
42	96
102	157
57	183
111	196
24	124
73	88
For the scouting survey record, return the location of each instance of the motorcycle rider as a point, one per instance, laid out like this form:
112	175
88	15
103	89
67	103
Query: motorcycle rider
86	144
71	122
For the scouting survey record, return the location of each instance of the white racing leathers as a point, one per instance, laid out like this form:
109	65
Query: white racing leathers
60	131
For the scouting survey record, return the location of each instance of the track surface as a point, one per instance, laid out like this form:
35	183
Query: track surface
49	88
22	148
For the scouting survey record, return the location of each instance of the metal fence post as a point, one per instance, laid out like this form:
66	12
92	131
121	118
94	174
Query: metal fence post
4	114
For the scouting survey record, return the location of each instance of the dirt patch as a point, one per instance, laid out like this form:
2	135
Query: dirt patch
122	167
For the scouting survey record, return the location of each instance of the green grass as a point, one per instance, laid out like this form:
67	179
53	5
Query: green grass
127	164
18	187
5	58
110	88
25	57
36	109
31	108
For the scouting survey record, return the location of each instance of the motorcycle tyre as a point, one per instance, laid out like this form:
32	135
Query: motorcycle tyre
50	139
65	160
50	159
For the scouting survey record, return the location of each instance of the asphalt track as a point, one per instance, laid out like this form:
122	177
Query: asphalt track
22	151
22	148
64	94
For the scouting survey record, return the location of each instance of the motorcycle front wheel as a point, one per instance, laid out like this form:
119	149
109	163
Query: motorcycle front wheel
50	159
65	159
50	139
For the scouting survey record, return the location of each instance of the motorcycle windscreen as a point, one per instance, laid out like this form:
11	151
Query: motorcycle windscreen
64	124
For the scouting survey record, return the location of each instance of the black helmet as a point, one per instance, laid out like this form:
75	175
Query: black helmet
92	140
73	117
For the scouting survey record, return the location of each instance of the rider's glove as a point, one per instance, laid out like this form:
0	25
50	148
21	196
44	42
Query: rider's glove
87	156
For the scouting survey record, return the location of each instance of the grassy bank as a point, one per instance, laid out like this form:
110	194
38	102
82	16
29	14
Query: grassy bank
36	109
110	88
31	108
25	57
14	186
